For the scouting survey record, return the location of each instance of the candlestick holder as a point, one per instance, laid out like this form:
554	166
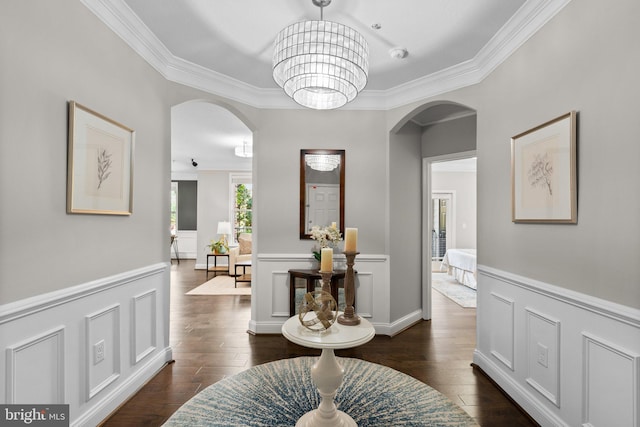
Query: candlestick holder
326	287
349	317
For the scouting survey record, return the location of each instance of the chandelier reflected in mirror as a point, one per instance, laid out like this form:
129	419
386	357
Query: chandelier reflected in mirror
321	64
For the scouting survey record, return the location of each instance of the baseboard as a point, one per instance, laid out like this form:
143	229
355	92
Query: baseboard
517	393
394	328
389	329
118	396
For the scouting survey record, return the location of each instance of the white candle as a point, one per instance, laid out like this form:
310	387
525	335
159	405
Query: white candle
333	225
326	259
350	239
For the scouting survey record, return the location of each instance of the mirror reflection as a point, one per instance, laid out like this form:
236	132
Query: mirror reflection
321	190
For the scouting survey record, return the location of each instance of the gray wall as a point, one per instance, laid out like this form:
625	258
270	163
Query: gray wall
405	205
584	59
277	152
452	136
54	52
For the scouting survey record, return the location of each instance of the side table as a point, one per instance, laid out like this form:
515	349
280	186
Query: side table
311	276
244	277
327	374
215	267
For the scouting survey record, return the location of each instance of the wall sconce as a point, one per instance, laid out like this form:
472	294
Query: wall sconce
194	163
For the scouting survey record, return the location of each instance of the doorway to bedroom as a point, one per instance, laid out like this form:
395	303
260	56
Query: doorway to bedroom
452	225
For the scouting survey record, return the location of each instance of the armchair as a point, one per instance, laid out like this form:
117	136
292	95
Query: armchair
239	253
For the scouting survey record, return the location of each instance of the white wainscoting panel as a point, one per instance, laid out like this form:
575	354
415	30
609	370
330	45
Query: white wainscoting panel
271	286
86	360
364	294
37	360
611	383
102	352
502	343
575	359
144	327
280	286
543	355
187	244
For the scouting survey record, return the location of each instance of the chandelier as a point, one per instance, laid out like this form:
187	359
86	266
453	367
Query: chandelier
244	150
320	64
322	162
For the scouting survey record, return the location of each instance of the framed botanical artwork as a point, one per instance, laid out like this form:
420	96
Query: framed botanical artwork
99	164
543	173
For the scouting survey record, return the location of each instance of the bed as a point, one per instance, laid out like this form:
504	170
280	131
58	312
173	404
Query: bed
461	264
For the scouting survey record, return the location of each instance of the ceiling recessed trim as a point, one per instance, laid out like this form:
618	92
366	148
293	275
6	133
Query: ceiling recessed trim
119	17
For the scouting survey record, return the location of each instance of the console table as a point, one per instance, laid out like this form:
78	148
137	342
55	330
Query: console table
327	374
311	276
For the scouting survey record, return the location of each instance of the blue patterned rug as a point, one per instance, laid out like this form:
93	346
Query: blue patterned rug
462	295
279	393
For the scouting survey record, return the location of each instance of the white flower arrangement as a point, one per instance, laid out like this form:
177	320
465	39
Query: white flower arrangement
327	237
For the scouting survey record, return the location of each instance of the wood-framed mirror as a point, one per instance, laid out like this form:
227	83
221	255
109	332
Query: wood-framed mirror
321	189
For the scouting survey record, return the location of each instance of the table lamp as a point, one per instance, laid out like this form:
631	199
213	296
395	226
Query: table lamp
224	228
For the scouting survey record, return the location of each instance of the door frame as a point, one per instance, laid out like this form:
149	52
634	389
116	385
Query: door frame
427	213
450	195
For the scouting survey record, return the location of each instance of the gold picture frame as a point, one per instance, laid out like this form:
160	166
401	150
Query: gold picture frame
99	164
543	173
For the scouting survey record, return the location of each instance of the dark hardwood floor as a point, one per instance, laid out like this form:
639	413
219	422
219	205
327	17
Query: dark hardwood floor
210	342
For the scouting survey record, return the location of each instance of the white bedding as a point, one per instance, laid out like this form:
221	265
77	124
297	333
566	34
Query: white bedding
461	264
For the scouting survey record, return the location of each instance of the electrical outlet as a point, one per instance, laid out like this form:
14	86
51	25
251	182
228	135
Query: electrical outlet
98	352
543	355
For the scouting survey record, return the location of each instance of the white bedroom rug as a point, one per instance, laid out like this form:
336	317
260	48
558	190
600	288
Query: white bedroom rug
221	285
452	289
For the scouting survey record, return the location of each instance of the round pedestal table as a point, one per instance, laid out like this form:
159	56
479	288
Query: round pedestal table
327	373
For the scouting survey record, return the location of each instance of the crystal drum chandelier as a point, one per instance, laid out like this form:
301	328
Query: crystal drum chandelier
321	64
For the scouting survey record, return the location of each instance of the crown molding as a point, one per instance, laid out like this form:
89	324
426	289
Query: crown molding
119	17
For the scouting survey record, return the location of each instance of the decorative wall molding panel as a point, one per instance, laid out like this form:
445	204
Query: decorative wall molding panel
102	349
502	340
272	296
25	367
543	355
89	360
576	358
608	370
144	325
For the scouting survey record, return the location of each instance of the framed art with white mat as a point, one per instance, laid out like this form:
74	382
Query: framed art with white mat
543	173
100	164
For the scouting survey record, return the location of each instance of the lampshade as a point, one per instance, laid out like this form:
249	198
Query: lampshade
322	162
320	64
224	227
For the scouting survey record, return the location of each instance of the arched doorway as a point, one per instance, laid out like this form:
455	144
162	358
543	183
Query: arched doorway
211	146
445	131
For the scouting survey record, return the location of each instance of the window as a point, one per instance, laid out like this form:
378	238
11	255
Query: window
174	207
242	202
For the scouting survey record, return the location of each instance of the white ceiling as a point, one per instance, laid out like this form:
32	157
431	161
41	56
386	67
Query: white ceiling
225	47
235	38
